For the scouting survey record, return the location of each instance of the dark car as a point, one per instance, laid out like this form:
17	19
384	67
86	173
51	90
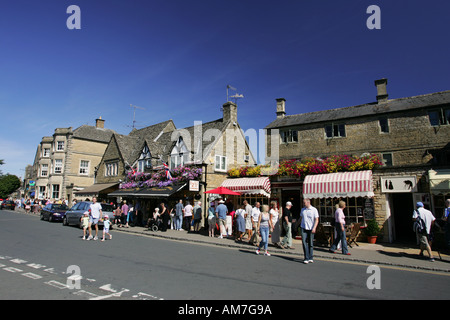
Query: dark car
54	212
8	204
74	214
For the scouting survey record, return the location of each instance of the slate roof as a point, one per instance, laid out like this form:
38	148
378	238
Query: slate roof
370	109
93	133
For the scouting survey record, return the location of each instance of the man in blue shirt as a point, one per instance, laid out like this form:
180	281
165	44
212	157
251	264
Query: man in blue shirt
221	216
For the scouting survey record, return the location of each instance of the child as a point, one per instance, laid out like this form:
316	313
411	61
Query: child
84	223
106	224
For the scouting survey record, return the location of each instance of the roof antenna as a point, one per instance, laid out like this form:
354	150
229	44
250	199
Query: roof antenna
134	114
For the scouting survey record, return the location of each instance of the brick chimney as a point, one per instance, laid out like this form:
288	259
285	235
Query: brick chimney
382	95
281	107
229	112
99	123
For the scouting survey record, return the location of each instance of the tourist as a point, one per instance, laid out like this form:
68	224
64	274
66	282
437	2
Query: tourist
240	223
309	220
274	216
264	227
340	230
287	225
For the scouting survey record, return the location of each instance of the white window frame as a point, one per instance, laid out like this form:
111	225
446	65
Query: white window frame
44	170
60	145
46	152
55	191
57	166
220	163
111	169
384	161
84	170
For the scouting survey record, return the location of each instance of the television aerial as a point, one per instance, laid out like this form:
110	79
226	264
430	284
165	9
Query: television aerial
134	115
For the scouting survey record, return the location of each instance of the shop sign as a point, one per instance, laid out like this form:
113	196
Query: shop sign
399	184
194	185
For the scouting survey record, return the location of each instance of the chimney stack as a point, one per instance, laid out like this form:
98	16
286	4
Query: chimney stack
229	112
382	95
99	123
281	107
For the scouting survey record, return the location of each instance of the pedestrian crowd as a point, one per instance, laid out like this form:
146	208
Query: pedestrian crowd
251	224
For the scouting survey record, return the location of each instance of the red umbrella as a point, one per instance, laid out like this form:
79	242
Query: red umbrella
223	190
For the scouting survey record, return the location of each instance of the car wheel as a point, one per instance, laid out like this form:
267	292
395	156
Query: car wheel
65	222
42	216
50	218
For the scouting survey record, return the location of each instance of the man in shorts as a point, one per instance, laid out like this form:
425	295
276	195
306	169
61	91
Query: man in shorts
424	237
96	214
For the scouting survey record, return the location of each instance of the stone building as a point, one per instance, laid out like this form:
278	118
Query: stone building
66	161
214	146
411	135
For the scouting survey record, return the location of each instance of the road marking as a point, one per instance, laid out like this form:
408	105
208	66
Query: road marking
12	269
35	265
32	275
56	284
18	261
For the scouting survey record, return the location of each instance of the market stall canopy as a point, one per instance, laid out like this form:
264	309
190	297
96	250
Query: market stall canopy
339	184
257	185
221	190
439	181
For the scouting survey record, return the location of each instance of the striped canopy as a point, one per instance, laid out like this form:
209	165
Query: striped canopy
258	185
339	184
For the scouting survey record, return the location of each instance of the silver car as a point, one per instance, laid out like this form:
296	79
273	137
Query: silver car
74	214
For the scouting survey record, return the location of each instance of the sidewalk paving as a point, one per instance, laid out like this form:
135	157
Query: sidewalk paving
380	254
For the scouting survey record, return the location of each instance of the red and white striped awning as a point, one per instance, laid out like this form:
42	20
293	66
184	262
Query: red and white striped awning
258	185
339	184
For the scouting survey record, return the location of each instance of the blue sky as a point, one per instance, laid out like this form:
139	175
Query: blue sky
175	59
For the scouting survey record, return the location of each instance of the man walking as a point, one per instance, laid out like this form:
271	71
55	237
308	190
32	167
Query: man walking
424	237
179	209
287	224
309	219
221	216
95	216
255	218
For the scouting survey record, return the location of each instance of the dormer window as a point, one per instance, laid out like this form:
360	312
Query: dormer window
179	154
145	159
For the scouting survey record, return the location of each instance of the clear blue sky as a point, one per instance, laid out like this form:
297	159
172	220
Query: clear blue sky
175	58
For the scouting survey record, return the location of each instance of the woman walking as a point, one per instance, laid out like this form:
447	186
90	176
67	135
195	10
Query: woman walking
340	230
275	217
240	223
264	227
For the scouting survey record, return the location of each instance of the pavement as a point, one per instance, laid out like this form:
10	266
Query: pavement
394	255
383	254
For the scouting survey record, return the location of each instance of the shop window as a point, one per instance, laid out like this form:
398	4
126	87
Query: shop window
353	211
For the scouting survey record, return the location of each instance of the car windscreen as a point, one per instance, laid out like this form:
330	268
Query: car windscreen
107	207
60	207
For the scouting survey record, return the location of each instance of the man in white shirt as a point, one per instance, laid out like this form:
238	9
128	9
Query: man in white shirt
309	219
424	238
255	216
95	215
188	216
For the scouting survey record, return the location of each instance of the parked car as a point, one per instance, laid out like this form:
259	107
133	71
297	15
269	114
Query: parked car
8	204
54	212
74	214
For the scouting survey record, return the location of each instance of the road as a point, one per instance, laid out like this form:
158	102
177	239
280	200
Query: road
36	258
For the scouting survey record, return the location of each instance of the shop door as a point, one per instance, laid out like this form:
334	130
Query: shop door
402	212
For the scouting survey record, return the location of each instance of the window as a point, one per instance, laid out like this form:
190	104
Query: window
387	159
111	169
384	125
335	130
179	154
55	191
58	166
143	164
60	146
46	152
44	170
221	163
353	210
41	192
289	136
84	167
439	117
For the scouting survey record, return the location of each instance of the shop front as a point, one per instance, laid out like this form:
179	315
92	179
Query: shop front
257	189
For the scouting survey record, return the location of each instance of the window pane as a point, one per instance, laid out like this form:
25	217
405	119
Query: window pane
341	130
434	118
329	131
223	167
447	116
384	125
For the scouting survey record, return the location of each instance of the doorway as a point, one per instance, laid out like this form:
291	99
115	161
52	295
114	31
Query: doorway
402	208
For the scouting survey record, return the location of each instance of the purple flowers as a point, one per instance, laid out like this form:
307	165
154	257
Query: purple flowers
158	178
